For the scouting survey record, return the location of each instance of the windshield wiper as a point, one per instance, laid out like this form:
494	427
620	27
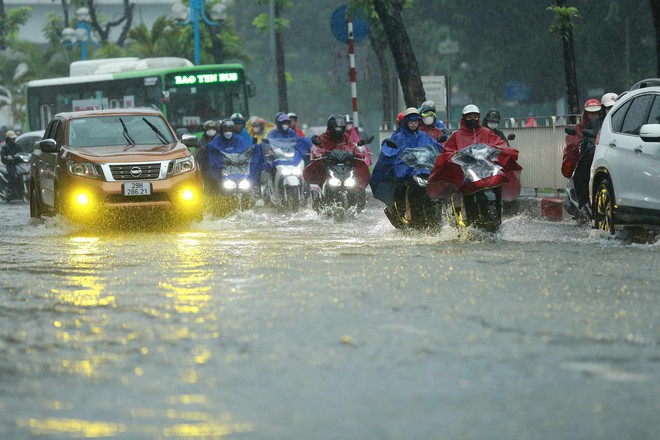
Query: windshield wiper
155	129
127	136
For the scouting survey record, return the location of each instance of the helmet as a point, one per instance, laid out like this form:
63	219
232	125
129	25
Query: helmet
410	112
208	125
292	115
399	118
238	118
336	126
470	108
283	118
429	104
608	99
592	105
227	125
492	115
426	109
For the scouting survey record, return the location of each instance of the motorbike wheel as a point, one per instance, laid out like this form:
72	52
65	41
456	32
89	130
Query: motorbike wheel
292	194
35	203
484	209
604	207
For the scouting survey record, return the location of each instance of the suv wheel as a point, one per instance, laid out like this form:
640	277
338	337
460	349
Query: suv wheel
604	207
35	205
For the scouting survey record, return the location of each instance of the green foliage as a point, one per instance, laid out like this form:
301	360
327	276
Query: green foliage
262	23
563	23
109	50
14	18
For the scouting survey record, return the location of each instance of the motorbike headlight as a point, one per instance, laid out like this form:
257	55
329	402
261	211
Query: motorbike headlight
84	169
244	184
229	184
286	172
333	181
350	182
183	165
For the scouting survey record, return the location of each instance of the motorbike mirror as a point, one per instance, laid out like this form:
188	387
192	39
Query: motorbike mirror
369	140
570	130
511	136
265	141
361	142
588	132
189	140
49	146
315	140
442	138
390	143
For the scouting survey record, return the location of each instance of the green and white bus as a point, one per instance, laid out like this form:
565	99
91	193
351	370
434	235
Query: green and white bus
187	94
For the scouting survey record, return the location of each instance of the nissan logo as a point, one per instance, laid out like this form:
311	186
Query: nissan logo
136	171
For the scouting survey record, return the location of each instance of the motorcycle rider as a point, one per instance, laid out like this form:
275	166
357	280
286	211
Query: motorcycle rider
239	126
471	132
231	142
335	138
430	105
283	127
258	128
582	172
430	123
571	152
8	155
294	124
201	156
492	121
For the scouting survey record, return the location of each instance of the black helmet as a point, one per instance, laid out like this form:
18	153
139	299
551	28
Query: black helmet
492	115
227	125
238	118
336	126
209	125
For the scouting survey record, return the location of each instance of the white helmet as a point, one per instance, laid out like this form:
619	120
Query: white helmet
608	99
470	108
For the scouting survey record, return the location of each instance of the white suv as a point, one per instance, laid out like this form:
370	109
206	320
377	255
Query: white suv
625	172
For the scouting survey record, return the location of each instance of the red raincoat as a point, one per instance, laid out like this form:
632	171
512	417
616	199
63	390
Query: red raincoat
447	177
315	172
571	153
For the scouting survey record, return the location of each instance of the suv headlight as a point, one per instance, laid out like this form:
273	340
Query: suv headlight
84	169
183	165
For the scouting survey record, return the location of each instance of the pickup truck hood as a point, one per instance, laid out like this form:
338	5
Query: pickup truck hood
130	153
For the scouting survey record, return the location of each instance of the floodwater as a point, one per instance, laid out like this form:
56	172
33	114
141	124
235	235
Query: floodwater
268	326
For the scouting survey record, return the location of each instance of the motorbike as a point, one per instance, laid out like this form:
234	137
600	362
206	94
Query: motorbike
473	182
235	189
22	193
408	204
282	185
338	183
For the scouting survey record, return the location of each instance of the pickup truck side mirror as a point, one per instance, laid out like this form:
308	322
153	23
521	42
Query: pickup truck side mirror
49	146
189	140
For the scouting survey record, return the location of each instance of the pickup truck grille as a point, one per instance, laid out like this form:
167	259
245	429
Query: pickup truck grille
147	171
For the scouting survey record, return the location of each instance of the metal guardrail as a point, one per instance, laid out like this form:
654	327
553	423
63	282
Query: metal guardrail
540	148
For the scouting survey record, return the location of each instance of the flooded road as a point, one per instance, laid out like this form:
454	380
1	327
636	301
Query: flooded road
267	326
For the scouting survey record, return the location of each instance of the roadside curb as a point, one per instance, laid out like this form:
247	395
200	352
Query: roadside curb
547	208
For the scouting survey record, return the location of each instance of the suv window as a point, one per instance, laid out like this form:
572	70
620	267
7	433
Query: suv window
636	115
654	114
618	117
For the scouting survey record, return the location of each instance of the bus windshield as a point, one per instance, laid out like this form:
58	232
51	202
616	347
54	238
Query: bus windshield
201	96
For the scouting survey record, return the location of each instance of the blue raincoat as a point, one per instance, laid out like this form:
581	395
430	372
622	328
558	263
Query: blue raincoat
234	157
384	180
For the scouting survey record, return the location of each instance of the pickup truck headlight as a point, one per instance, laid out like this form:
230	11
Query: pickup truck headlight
84	169
183	165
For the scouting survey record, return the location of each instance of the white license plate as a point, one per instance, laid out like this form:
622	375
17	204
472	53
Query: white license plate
137	188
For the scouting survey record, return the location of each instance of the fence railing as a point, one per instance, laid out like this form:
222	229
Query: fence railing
540	155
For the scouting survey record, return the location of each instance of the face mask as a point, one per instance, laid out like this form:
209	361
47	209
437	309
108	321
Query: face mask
210	133
492	125
227	134
257	129
285	127
428	120
472	123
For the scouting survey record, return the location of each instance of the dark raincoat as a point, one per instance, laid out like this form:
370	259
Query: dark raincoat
231	157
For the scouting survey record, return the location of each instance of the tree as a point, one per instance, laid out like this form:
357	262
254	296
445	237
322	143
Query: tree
263	23
9	23
655	11
104	30
563	26
389	13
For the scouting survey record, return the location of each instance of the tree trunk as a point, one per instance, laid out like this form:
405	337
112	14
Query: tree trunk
376	40
65	12
655	10
389	13
3	44
279	63
569	66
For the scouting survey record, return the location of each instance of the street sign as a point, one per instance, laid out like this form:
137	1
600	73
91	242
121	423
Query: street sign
339	29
